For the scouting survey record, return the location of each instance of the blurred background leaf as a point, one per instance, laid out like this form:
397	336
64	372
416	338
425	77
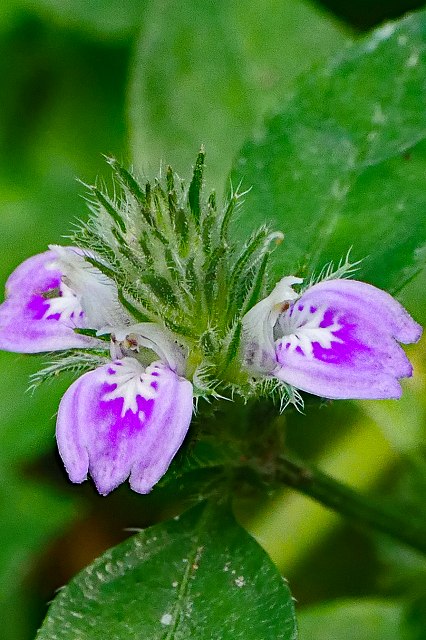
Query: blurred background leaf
104	19
356	620
342	165
52	129
205	72
32	514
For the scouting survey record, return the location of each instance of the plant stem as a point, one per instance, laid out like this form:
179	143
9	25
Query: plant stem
362	510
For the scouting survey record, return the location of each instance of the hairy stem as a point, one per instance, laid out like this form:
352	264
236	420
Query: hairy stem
364	511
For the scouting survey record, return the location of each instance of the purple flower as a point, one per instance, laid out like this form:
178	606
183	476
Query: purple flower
123	418
339	339
40	312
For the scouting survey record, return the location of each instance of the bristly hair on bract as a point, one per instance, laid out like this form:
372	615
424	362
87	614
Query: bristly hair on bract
168	249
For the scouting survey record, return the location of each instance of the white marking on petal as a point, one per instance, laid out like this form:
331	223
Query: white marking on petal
301	328
67	305
131	381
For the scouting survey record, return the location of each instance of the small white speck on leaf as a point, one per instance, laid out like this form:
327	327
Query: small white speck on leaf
166	619
339	190
380	34
378	115
386	31
175	584
240	581
372	135
413	60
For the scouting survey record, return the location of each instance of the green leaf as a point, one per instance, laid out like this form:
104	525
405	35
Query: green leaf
206	70
199	576
104	18
193	457
355	620
343	163
31	515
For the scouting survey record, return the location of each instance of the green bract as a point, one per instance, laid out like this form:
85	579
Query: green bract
167	248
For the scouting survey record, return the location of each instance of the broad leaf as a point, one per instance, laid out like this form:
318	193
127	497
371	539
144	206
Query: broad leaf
197	577
206	70
343	164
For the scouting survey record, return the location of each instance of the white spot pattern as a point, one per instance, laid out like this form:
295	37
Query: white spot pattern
301	327
131	381
67	305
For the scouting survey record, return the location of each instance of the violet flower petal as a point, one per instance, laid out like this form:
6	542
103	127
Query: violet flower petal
30	321
98	294
122	420
339	340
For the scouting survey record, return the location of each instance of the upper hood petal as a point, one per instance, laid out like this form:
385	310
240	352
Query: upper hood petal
258	326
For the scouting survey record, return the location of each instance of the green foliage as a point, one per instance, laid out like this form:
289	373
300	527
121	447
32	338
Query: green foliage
100	18
32	513
205	71
35	515
341	165
199	576
356	620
